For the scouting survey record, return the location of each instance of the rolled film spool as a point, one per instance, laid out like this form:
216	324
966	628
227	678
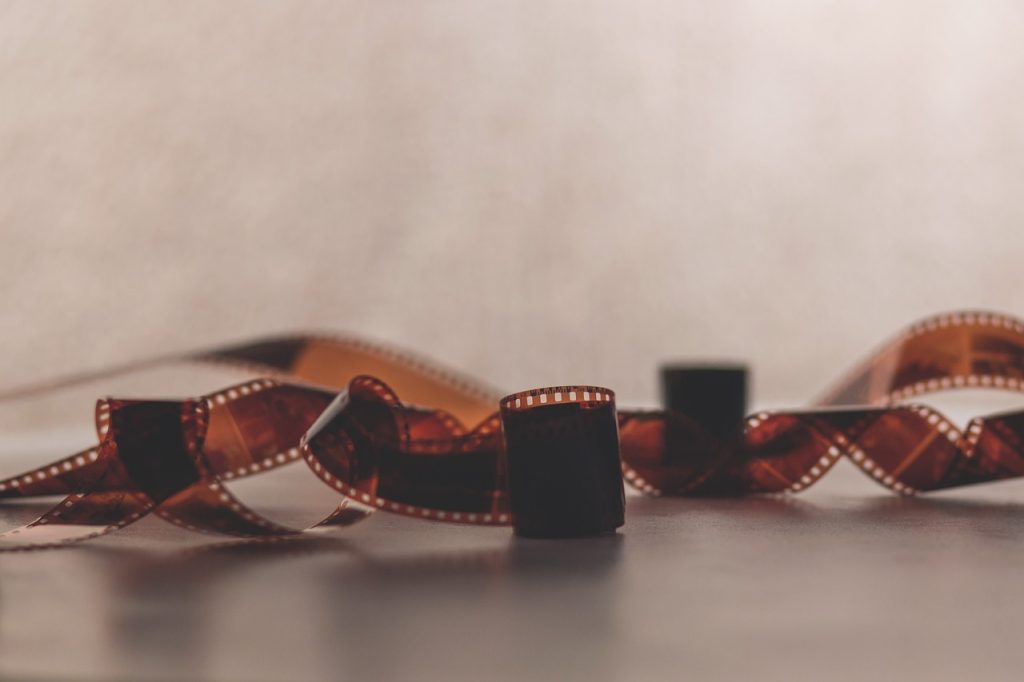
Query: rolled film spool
379	452
562	454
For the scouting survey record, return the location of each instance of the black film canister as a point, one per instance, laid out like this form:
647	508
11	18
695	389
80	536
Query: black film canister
714	396
564	472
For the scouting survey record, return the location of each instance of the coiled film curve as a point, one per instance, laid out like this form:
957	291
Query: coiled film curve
409	437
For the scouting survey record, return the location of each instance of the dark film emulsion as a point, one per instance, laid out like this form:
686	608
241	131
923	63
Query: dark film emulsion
562	450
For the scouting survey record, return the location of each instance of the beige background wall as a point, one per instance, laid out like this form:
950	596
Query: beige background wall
535	192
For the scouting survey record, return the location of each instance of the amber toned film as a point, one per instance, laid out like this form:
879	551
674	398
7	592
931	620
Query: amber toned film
392	432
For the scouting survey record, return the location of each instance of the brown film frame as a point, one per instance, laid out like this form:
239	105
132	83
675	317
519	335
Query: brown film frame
172	457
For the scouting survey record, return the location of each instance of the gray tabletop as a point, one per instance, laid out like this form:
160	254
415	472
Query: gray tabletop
845	582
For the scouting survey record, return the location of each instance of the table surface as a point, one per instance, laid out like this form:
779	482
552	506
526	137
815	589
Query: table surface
844	582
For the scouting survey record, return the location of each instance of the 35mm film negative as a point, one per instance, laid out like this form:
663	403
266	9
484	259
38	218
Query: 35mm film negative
409	437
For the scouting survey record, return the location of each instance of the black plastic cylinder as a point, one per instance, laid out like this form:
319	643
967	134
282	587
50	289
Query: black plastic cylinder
714	396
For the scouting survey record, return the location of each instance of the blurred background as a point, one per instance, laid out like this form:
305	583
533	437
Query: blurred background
534	193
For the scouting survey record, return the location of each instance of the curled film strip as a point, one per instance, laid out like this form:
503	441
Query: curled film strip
380	451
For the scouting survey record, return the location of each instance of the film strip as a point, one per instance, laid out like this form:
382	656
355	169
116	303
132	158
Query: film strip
379	447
